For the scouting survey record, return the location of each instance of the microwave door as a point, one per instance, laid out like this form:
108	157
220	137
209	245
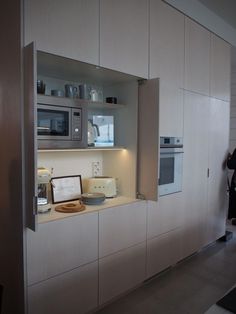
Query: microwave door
30	137
53	123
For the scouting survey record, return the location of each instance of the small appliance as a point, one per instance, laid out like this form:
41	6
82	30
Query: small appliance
106	185
105	125
171	165
44	178
93	133
61	123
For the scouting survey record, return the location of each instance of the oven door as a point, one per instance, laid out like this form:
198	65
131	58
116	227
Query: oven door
170	171
53	123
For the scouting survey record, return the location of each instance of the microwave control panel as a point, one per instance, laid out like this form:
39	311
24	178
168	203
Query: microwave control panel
76	124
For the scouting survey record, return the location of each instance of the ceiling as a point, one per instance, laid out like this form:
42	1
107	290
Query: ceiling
226	9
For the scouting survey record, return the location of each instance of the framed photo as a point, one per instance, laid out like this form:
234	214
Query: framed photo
65	189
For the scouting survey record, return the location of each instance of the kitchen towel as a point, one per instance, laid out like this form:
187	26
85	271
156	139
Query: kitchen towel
228	302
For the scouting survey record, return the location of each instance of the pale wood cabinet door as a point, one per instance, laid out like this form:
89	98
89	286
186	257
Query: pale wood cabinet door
166	43
163	251
61	245
217	183
220	68
68	28
72	292
124	36
121	272
121	227
196	142
165	215
167	63
197	58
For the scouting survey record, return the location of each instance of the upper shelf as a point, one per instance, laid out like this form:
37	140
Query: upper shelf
53	100
88	149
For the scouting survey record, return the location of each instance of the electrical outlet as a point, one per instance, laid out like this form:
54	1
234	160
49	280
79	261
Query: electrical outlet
96	168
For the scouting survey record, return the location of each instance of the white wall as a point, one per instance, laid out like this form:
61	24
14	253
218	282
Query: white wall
70	163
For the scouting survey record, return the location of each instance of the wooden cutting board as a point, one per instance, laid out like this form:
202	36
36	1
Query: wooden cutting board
70	208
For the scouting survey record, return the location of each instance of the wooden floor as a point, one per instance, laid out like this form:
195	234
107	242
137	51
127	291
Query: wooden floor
191	287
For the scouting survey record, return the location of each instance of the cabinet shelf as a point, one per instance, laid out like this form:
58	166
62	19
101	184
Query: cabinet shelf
88	149
53	100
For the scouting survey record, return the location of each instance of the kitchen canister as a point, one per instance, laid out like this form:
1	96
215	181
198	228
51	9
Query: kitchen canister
57	92
71	91
84	91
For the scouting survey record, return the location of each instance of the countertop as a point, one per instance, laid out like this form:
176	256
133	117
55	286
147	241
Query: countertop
109	202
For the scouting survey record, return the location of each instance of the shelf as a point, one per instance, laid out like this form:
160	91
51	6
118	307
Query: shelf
71	102
89	149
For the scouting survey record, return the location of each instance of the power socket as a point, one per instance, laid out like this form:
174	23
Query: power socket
96	169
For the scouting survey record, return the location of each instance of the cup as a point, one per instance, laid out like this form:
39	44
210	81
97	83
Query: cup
71	91
40	87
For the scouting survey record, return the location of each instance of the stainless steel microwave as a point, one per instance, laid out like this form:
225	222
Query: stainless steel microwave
61	123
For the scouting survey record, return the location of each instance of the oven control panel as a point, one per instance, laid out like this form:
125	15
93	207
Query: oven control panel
171	141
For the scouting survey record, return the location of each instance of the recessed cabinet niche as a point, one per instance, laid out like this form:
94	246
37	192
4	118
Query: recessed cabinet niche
119	160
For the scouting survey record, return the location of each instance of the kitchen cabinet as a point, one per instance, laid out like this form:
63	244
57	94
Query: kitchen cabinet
121	227
206	125
68	28
217	181
163	251
167	63
220	68
71	292
60	246
56	71
122	249
196	143
197	58
164	215
124	36
121	271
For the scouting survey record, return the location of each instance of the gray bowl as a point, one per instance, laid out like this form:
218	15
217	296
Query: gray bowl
93	198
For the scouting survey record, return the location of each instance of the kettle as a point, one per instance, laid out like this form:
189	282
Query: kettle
93	133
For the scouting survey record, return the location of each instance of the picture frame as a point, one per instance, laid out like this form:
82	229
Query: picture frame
66	188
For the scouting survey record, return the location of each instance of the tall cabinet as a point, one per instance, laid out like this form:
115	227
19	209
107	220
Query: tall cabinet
164	216
206	136
220	69
167	63
124	44
197	58
196	141
217	182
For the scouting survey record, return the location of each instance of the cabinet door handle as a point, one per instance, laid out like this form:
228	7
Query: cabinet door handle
208	172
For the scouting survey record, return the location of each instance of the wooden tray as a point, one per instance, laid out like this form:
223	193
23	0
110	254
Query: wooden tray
70	208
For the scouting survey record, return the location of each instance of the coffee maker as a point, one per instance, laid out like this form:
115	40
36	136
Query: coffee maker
44	178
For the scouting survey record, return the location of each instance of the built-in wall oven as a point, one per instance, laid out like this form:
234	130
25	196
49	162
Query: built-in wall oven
171	165
61	123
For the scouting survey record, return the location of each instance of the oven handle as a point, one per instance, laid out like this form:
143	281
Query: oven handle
171	150
171	146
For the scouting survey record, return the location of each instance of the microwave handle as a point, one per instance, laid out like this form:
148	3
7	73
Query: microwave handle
30	137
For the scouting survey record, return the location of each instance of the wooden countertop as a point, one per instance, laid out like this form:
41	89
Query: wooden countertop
110	202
